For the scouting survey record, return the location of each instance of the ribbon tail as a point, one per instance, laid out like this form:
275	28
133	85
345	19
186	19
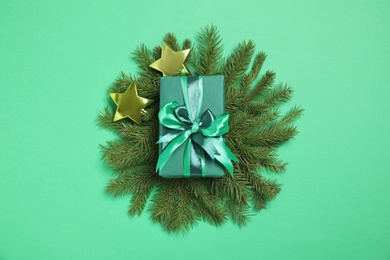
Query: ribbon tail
187	158
206	144
170	148
170	136
225	155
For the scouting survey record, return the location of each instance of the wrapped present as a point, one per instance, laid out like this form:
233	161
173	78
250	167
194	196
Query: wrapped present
193	123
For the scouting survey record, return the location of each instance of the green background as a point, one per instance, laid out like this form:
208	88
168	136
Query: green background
56	60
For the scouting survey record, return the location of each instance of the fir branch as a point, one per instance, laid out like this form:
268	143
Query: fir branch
271	189
142	186
121	155
207	205
256	187
144	137
183	217
121	83
171	40
149	114
244	122
272	136
268	192
157	52
138	202
245	83
215	186
136	180
259	202
171	208
263	190
234	190
290	117
161	203
266	188
210	49
143	58
239	213
234	99
192	61
277	96
251	155
119	186
257	64
264	83
275	165
187	44
237	63
104	120
148	89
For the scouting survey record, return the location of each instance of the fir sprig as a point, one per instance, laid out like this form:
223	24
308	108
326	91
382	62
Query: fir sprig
257	129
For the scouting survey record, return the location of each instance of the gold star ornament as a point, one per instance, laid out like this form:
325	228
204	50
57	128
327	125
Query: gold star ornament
171	62
129	104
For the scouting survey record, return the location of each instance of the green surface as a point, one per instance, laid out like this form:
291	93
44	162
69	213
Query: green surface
56	60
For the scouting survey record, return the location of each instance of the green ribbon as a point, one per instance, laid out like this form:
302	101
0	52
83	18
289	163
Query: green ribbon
203	134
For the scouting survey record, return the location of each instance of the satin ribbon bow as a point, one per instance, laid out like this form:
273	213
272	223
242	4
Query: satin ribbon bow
205	132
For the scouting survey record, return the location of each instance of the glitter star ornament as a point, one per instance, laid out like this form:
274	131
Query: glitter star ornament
171	62
129	104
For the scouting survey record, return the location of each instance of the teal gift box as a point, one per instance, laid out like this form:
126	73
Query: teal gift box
193	123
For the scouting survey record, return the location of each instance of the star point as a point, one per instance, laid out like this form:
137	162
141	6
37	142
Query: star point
171	62
129	104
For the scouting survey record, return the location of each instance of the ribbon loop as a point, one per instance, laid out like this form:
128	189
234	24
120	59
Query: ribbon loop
207	118
181	113
195	126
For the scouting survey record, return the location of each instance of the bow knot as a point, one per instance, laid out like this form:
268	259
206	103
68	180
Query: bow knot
195	126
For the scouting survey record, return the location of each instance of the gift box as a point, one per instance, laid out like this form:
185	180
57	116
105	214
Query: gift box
192	127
